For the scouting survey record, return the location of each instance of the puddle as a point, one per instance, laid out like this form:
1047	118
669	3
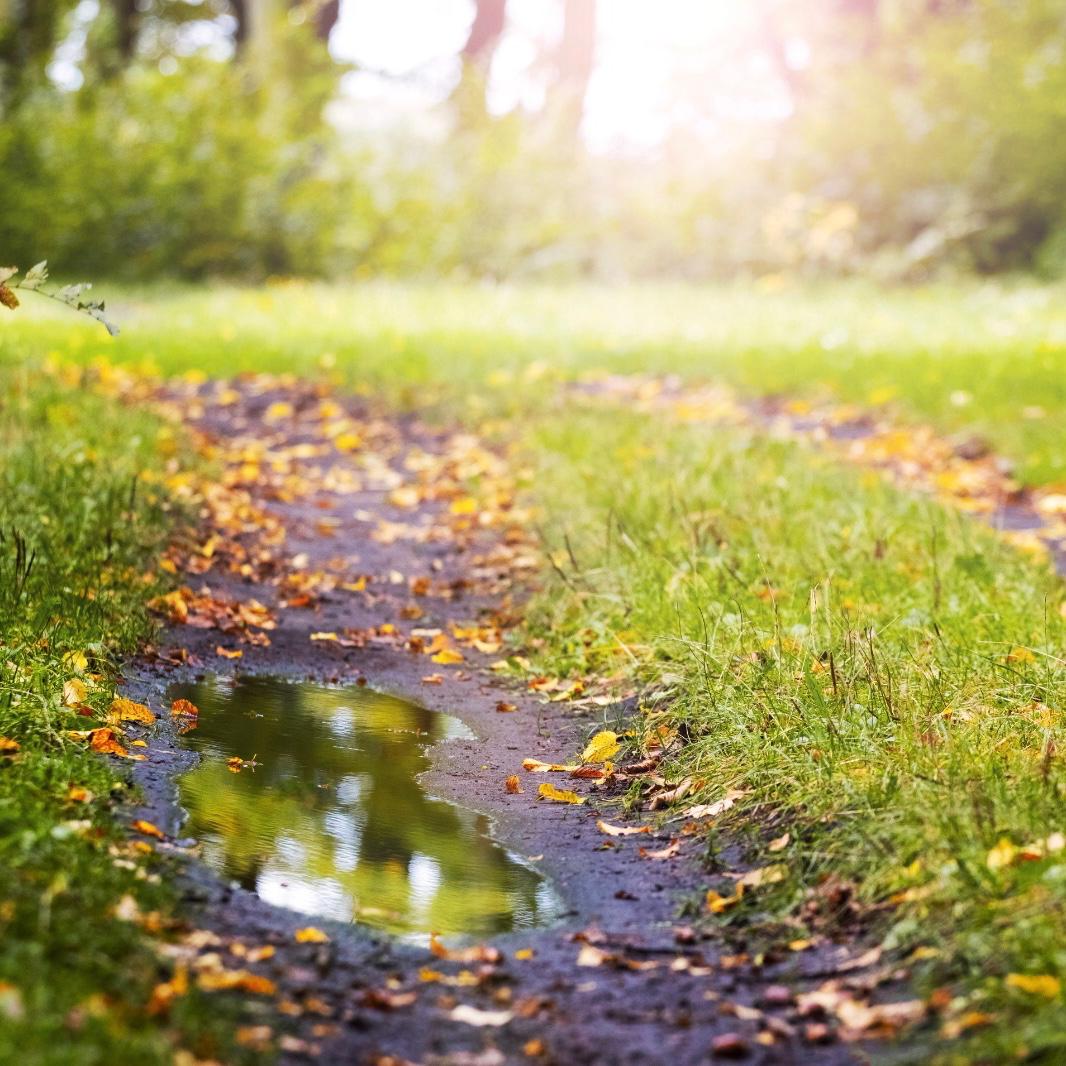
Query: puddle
332	820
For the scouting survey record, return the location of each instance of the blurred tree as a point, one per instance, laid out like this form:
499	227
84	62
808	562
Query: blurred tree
486	29
29	32
576	55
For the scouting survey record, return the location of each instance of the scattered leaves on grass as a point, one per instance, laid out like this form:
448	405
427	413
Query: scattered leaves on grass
558	795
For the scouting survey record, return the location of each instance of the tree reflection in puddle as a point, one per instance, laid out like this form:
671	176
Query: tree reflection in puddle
332	820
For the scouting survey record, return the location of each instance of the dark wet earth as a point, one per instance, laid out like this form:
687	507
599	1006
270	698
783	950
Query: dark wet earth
381	818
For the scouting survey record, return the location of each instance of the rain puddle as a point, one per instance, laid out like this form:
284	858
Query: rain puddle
331	819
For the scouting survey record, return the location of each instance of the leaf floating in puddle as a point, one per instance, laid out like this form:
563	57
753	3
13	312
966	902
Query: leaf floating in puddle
559	795
184	709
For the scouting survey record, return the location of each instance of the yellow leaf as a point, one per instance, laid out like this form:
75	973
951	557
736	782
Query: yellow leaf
78	794
147	829
1035	984
76	661
524	954
123	710
8	746
603	746
448	656
347	442
324	636
74	692
228	653
1003	854
559	795
310	935
764	875
717	903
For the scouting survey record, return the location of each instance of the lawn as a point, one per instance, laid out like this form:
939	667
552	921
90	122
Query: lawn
883	676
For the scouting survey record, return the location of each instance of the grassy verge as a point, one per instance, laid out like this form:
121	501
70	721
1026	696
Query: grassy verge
76	964
884	676
972	357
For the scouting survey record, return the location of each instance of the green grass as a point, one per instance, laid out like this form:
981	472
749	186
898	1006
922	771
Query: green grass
875	701
977	357
75	540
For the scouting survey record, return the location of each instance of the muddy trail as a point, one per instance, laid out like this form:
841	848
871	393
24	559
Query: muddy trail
962	472
384	562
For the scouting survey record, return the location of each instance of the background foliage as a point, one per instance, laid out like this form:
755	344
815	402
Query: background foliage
919	137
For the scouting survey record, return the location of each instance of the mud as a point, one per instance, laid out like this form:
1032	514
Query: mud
619	978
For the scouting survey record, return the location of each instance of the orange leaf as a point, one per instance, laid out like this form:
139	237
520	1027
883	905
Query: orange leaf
184	709
310	935
513	785
139	825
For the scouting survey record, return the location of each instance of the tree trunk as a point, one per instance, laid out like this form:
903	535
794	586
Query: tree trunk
576	54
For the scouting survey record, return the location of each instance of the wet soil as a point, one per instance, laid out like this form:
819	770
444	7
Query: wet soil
619	977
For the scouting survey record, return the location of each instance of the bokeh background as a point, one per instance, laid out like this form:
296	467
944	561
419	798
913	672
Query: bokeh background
624	139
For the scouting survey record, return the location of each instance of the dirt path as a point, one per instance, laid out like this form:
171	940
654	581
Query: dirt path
961	472
337	545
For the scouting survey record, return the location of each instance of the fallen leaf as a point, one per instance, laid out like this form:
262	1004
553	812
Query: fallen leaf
603	746
228	653
480	1018
506	708
474	953
780	843
559	795
139	825
74	692
535	766
164	993
1035	984
310	935
764	875
78	794
663	853
513	785
184	709
124	710
447	657
244	980
621	830
9	746
712	810
103	741
718	904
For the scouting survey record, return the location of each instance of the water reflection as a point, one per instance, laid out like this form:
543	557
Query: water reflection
332	821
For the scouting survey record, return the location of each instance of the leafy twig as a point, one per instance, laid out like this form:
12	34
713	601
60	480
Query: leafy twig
72	295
